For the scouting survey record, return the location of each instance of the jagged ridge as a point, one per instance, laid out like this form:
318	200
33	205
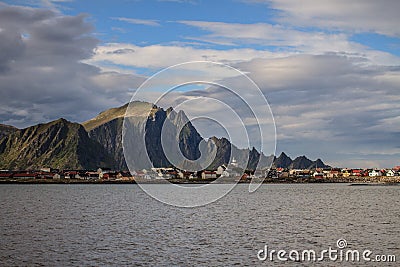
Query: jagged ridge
301	162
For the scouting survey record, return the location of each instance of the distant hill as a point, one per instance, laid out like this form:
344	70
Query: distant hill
302	162
246	158
283	161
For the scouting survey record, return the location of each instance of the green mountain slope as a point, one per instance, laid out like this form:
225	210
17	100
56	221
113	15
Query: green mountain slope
58	144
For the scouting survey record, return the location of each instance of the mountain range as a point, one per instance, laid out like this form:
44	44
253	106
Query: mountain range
301	162
98	143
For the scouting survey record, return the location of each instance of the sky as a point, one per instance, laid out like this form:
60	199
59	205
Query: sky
330	70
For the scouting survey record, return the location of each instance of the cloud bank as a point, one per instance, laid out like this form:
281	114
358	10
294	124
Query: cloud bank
42	76
331	96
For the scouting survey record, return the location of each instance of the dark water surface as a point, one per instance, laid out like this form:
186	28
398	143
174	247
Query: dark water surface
119	225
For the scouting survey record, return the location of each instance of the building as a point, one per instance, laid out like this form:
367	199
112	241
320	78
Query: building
24	175
208	175
318	175
72	175
221	169
346	173
92	175
58	176
390	173
110	176
245	177
334	173
234	162
6	175
357	172
374	173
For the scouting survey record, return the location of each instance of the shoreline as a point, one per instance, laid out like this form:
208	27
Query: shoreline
351	181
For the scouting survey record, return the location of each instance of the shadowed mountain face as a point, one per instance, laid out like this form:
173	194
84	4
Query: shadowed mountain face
98	143
59	144
106	129
283	161
302	162
109	136
245	158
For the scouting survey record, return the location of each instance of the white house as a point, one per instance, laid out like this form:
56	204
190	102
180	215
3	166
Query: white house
57	176
374	173
208	175
225	174
221	169
390	173
317	174
234	162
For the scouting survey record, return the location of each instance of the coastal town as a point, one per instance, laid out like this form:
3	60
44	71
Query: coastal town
224	173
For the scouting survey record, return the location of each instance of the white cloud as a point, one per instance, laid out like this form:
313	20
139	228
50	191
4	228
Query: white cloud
160	56
266	34
147	22
53	4
42	76
286	39
357	15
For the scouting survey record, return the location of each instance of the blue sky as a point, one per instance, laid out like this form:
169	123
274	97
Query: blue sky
165	14
329	69
158	22
104	14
